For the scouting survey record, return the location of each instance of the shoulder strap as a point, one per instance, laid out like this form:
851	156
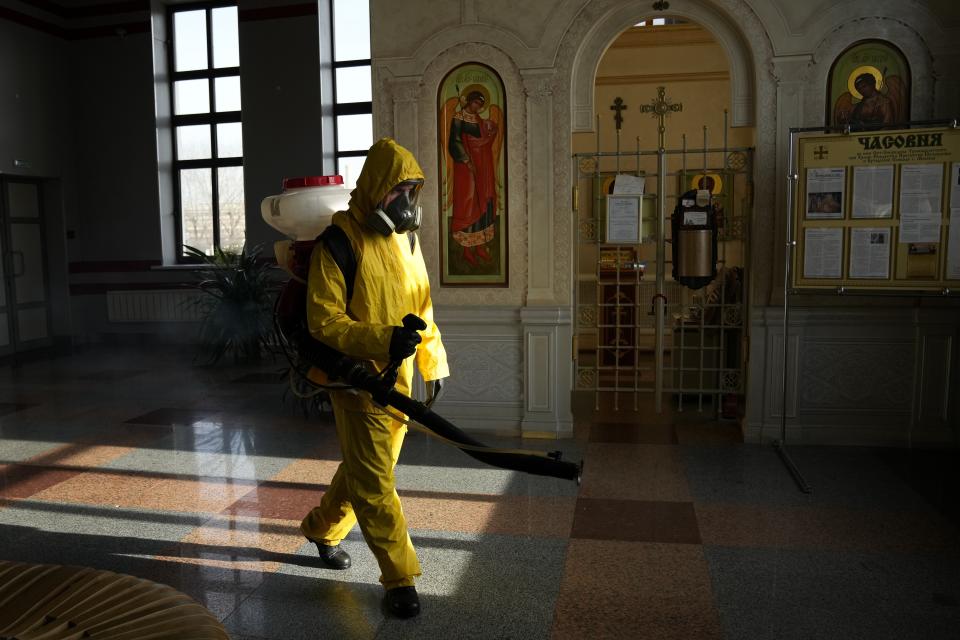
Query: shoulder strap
338	244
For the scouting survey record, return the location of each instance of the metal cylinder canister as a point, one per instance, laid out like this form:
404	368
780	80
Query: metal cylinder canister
694	237
696	253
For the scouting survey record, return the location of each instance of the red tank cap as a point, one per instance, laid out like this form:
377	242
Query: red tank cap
311	181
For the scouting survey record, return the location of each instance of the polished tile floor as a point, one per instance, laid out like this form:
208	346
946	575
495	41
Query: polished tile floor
135	461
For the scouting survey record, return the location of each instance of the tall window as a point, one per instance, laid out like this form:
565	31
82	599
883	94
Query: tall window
353	105
207	137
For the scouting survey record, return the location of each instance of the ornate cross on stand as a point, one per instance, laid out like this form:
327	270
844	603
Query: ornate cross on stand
661	108
619	108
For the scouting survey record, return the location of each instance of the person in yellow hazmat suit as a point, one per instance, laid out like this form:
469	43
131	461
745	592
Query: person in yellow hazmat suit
391	282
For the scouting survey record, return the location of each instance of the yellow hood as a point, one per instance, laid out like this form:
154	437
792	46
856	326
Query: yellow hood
387	165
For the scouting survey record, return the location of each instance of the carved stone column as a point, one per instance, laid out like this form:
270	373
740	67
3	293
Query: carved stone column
541	218
947	86
547	372
791	74
547	328
406	114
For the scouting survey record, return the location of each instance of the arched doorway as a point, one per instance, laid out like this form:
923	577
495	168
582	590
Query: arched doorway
648	334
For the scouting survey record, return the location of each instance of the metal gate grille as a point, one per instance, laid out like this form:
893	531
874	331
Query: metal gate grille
703	333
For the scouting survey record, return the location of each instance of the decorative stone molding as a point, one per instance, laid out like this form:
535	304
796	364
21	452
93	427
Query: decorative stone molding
494	366
405	96
528	33
405	91
791	70
547	371
790	74
904	36
517	171
946	70
383	102
538	84
850	375
877	375
734	24
484	347
542	214
604	20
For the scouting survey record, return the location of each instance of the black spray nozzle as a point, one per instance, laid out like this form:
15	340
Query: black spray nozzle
344	368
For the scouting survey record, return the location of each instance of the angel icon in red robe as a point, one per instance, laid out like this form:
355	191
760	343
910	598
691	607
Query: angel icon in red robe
474	141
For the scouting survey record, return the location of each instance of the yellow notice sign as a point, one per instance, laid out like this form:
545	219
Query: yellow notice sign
881	147
877	210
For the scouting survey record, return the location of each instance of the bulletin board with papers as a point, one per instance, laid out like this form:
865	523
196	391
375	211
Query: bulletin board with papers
877	210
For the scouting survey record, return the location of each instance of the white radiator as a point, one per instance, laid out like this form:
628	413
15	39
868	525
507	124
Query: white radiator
153	305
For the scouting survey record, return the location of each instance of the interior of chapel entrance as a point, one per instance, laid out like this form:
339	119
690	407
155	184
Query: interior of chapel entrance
668	71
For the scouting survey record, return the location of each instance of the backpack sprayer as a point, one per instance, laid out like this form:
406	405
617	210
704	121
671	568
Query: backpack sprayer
303	211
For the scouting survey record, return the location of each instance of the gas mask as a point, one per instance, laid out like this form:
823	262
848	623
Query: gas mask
400	215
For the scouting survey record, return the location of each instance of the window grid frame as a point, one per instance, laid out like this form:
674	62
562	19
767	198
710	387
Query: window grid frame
210	118
345	108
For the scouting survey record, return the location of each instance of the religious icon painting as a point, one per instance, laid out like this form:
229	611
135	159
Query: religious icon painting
869	87
472	127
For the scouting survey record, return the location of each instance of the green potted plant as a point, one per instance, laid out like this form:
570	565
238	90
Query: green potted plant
238	305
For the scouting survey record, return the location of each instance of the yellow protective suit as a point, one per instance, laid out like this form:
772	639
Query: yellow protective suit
391	282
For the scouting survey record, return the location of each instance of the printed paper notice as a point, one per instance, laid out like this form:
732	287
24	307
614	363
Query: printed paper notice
954	188
825	193
873	192
953	237
623	219
953	245
626	183
822	253
870	252
920	186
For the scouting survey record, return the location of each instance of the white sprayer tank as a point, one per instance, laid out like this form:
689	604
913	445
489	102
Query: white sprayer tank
305	206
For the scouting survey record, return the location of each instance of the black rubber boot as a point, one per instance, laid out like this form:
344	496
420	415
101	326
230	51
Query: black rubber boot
332	556
403	602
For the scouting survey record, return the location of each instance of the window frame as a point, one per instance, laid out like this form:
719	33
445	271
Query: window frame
346	108
212	118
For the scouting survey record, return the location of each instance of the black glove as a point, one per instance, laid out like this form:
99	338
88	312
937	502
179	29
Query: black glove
403	343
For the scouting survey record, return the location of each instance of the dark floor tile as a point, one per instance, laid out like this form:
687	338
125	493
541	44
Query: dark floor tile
170	417
616	432
262	377
110	375
13	407
636	520
770	594
931	473
635	590
709	434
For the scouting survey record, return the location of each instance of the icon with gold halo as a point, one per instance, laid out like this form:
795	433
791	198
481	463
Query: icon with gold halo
869	86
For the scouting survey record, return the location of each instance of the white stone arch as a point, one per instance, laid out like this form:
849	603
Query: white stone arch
738	28
893	30
622	15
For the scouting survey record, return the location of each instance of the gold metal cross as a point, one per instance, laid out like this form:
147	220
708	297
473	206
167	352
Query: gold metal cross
660	109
